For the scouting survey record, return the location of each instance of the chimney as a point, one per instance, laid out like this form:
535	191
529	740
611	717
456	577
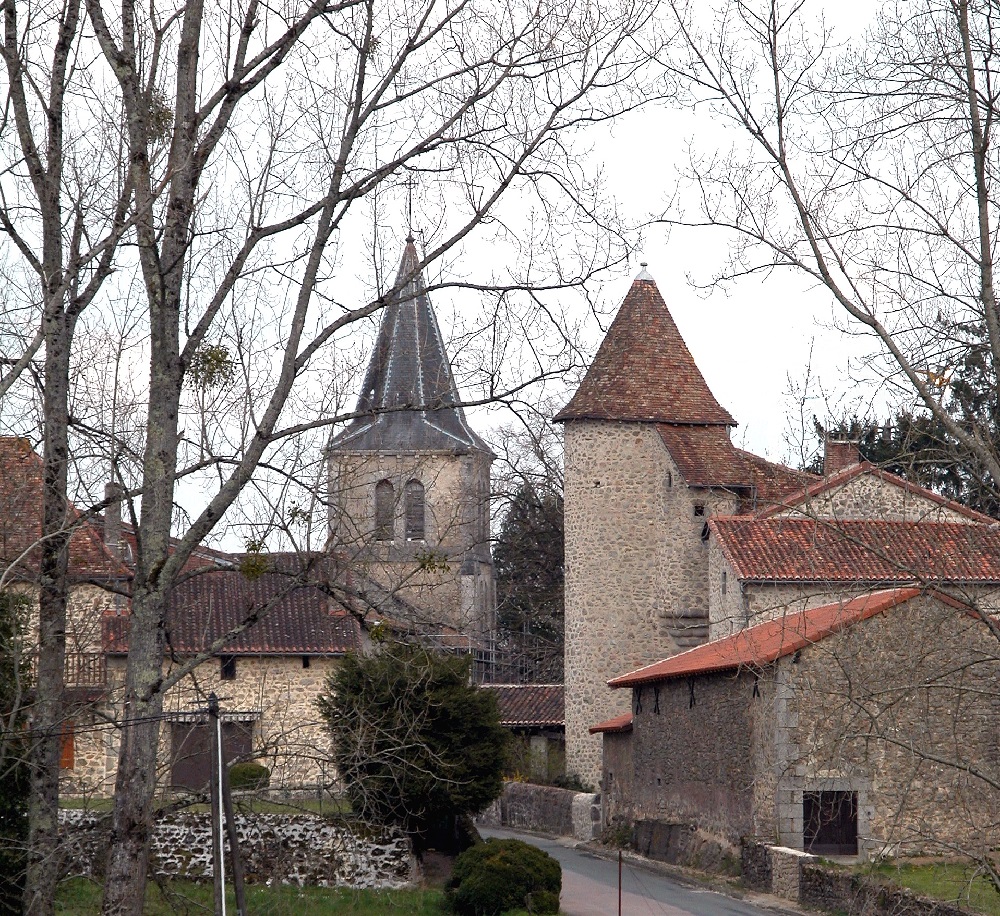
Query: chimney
839	454
113	518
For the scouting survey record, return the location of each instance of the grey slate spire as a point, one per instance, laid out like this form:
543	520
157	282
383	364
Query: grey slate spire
409	390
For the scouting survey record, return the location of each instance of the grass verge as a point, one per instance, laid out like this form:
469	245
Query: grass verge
953	882
80	897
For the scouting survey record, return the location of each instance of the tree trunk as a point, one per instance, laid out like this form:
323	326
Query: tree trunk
47	712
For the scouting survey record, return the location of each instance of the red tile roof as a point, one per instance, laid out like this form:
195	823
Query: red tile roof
21	473
773	482
618	724
297	618
769	641
705	456
834	481
643	370
529	705
857	550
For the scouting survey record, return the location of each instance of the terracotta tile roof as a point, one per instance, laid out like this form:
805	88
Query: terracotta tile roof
529	705
643	370
773	482
857	550
769	641
834	481
705	456
21	472
300	619
618	724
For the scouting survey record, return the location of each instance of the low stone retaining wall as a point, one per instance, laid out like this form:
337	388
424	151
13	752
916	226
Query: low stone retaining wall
800	877
285	849
546	809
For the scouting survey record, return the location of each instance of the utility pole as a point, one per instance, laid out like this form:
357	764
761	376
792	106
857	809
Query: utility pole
218	853
222	803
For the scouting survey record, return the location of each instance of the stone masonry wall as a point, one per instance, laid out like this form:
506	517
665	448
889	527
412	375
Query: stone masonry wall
280	849
427	573
874	703
691	746
630	565
546	809
275	695
867	496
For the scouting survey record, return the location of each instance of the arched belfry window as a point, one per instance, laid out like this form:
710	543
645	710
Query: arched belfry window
385	510
414	505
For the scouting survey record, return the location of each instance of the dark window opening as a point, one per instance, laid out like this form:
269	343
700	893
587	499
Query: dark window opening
699	511
670	480
724	577
306	661
227	668
704	533
414	510
830	823
191	751
385	510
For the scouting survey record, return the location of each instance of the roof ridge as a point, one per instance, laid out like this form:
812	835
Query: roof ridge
866	467
772	639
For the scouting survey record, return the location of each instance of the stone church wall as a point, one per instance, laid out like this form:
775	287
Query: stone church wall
428	573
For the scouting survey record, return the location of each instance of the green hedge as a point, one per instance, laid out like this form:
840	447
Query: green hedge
500	875
249	776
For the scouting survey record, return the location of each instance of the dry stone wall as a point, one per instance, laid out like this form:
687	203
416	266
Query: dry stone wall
299	849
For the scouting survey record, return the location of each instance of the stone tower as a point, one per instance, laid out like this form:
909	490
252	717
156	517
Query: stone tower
410	480
648	461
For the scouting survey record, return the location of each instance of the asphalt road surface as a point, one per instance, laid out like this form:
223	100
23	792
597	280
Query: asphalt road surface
590	886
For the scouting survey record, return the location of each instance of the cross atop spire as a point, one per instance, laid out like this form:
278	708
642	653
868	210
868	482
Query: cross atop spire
409	391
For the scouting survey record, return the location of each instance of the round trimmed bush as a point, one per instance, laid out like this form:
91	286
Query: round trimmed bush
249	776
499	875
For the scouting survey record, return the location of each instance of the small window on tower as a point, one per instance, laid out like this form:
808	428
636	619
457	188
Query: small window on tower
699	511
414	510
724	577
227	668
385	510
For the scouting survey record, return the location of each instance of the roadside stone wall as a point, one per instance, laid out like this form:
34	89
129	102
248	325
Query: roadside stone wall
804	879
546	809
298	849
636	569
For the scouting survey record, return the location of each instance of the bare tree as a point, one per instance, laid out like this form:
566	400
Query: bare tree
259	144
63	211
869	168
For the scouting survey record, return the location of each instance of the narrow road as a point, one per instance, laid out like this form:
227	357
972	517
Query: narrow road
590	886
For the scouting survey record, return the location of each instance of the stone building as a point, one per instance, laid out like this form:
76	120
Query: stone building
410	480
679	544
648	462
409	513
858	727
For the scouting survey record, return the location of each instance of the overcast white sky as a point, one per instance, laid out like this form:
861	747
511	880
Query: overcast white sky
749	342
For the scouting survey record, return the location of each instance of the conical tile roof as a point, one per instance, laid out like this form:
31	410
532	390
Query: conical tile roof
644	371
408	389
